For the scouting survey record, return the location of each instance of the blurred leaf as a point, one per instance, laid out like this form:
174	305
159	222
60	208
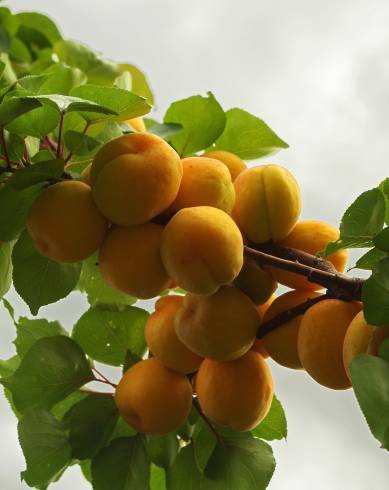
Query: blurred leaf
124	81
139	83
384	188
31	23
61	408
370	378
165	131
384	350
79	143
163	450
86	469
381	240
126	104
98	70
370	259
15	146
106	335
97	289
19	52
14	207
157	478
202	119
53	368
30	330
130	360
248	136
361	222
375	295
45	447
60	79
123	465
122	429
5	267
274	425
38	173
39	280
5	40
12	108
91	422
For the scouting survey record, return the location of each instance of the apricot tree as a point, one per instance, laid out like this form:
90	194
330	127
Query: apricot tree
99	198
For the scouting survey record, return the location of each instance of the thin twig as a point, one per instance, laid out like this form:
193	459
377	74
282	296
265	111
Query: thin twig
103	379
207	421
59	143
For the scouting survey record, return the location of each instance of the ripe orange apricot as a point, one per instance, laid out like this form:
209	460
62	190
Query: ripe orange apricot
320	342
234	164
130	260
259	347
162	339
135	177
262	309
310	237
202	249
153	399
257	283
205	182
362	338
238	393
281	343
267	203
221	326
65	223
137	123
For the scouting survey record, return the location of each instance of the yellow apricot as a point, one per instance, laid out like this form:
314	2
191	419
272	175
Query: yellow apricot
259	347
135	177
234	164
64	222
205	182
130	260
310	237
202	249
320	342
137	123
267	203
85	175
257	283
162	339
281	343
238	393
362	338
221	326
262	309
153	399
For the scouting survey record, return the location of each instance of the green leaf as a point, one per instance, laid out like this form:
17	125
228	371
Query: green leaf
35	174
9	366
184	473
67	103
37	123
60	79
274	425
14	107
106	335
370	259
384	350
86	469
61	408
361	222
157	478
204	444
5	267
52	369
139	83
375	295
40	23
370	378
19	52
123	465
98	70
97	289
32	83
384	188
163	450
5	40
45	447
124	81
130	360
30	330
123	429
202	119
122	102
91	422
248	136
381	240
39	280
15	146
166	130
80	143
14	207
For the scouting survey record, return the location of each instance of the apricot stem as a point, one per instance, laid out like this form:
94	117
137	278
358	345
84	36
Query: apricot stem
59	143
103	379
207	421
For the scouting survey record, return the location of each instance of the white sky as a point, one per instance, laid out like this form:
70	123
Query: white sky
318	73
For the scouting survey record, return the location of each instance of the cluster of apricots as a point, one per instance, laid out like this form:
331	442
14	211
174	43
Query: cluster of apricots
158	220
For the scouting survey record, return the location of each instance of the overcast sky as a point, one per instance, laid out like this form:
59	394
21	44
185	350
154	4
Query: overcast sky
318	73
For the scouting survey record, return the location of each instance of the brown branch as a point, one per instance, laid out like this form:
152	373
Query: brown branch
103	379
207	421
59	142
339	284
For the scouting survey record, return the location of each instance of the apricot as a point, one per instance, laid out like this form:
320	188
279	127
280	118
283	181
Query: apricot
258	346
257	283
205	182
202	249
65	223
362	338
320	341
137	124
135	177
130	260
281	343
265	306
153	399
85	175
310	237
234	164
221	326
162	339
267	203
238	393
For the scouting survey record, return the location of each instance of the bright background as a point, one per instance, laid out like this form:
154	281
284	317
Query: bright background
318	73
